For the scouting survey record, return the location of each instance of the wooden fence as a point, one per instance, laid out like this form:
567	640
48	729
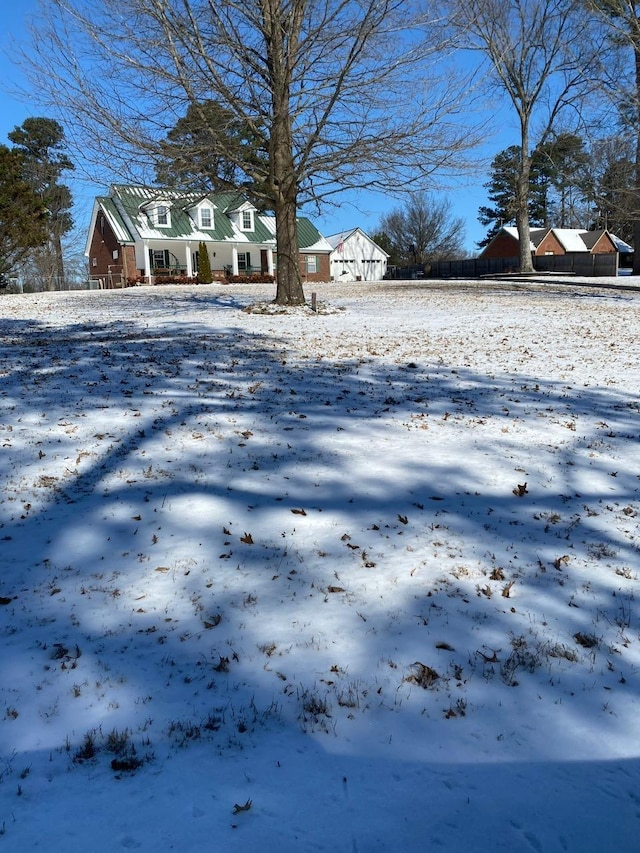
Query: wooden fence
576	263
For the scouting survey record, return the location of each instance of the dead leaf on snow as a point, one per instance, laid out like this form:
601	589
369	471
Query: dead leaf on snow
424	676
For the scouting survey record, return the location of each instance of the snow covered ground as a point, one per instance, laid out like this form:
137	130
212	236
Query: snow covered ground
364	580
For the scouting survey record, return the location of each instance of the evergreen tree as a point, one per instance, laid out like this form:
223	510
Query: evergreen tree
563	162
386	243
612	186
40	141
204	264
23	219
502	193
210	149
557	186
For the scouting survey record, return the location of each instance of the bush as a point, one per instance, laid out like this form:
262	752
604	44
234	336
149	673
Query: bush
204	264
253	278
175	279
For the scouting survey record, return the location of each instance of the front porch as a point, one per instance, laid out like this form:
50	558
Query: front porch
159	261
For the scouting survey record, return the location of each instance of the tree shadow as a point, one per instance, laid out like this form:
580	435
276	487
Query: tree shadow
200	525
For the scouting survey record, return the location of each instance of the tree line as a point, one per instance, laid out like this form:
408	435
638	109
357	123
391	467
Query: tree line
295	101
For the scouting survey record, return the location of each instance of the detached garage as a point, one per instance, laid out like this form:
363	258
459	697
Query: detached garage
355	257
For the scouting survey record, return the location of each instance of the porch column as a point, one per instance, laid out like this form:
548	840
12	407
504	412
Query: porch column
234	260
189	264
147	262
270	261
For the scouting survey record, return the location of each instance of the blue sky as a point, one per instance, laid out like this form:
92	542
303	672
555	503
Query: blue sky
363	210
13	14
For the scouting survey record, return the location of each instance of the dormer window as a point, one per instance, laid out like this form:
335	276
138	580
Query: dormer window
206	217
247	220
159	214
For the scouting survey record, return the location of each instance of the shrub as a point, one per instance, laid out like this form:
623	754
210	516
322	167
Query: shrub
253	278
204	264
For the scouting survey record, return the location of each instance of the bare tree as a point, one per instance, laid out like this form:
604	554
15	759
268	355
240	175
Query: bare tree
621	18
424	230
339	94
539	53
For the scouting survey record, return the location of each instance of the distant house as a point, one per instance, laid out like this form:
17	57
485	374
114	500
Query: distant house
150	234
554	241
355	257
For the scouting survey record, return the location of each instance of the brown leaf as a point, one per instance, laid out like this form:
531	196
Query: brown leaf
506	590
247	539
298	512
244	808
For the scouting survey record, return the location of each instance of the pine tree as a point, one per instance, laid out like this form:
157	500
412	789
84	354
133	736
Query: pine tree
204	264
23	218
502	187
40	141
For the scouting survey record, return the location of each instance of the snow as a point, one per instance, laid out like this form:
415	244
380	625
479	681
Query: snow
364	579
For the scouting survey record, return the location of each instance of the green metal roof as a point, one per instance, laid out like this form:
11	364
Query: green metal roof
308	234
128	208
117	223
136	201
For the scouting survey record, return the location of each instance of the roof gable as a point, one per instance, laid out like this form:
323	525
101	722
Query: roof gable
355	234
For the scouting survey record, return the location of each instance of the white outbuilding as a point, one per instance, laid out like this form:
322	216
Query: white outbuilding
355	257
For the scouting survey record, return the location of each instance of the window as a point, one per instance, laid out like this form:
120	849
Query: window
206	217
247	220
312	264
159	259
162	215
115	254
244	261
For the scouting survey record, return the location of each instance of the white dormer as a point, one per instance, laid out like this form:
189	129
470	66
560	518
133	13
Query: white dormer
243	217
159	213
202	215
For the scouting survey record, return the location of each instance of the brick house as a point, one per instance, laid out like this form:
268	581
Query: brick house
553	241
150	234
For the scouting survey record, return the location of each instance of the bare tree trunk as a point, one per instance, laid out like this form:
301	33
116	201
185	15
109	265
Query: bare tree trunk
281	33
59	258
522	201
636	207
289	289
